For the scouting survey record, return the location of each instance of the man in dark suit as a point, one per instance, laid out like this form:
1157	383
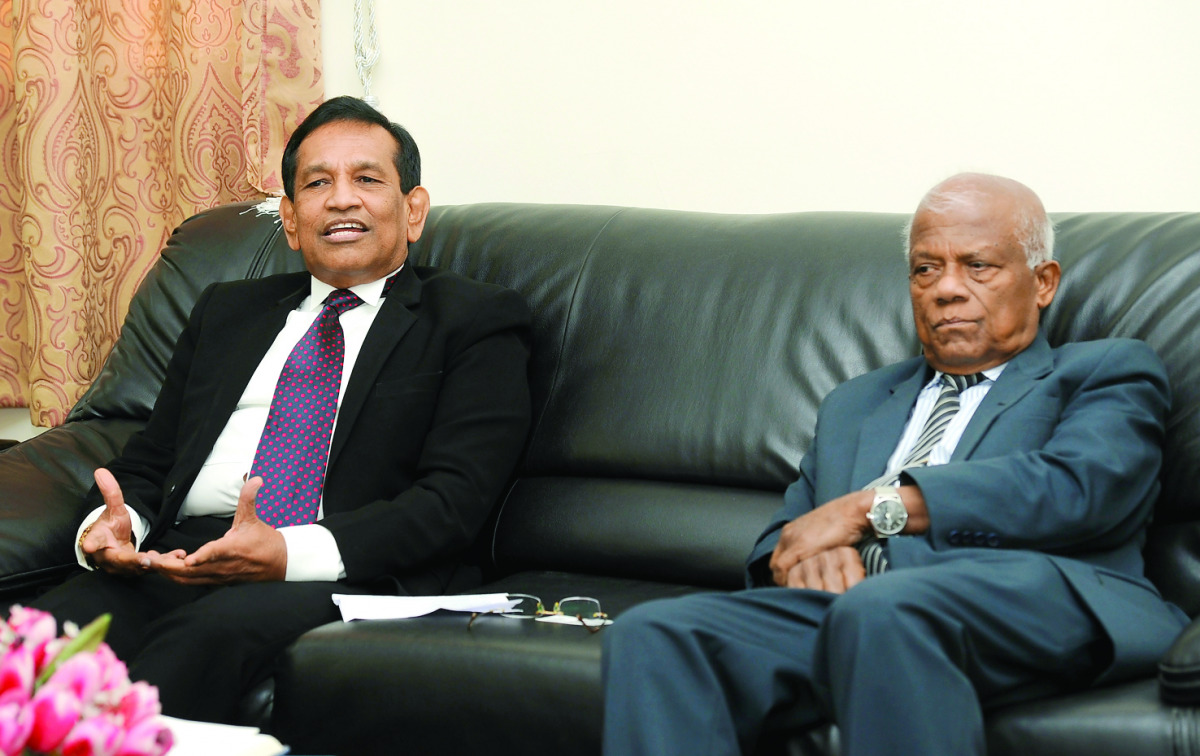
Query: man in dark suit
431	397
950	544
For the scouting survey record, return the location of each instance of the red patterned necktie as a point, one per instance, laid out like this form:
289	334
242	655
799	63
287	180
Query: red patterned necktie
294	448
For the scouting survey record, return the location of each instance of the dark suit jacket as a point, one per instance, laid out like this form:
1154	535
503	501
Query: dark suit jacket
430	427
1062	458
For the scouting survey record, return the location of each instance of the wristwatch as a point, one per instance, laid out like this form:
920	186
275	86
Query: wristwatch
887	514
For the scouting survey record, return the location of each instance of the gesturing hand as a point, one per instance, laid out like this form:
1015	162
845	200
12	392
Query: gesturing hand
108	542
841	522
250	551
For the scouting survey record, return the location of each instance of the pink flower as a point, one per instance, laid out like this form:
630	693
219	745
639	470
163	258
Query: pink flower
114	675
139	703
34	625
150	737
17	674
16	722
82	673
56	710
97	736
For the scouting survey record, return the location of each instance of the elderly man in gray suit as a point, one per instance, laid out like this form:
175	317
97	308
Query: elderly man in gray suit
966	529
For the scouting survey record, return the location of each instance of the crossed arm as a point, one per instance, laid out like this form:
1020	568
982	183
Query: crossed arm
1075	466
817	549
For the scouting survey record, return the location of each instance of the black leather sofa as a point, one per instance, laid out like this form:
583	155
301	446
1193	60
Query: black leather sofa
679	360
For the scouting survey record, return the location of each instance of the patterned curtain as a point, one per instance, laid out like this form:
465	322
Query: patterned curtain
118	119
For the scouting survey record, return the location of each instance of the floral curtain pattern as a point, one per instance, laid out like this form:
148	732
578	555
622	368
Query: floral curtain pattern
118	119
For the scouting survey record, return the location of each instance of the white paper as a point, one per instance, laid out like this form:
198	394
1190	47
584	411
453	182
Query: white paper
205	738
405	607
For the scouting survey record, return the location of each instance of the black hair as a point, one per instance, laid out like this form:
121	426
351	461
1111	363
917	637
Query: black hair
344	108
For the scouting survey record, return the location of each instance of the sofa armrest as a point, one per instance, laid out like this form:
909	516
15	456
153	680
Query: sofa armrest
42	485
1179	669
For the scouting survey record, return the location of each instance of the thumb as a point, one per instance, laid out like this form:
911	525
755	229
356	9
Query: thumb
247	513
110	490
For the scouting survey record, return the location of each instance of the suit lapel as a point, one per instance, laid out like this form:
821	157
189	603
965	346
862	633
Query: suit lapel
1021	375
390	325
882	428
245	348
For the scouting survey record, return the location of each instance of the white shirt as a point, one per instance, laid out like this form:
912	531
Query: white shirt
968	400
311	549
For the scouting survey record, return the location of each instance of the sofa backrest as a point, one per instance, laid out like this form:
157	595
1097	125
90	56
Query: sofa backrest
679	359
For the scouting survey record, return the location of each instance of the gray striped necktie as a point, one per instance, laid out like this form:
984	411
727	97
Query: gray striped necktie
944	410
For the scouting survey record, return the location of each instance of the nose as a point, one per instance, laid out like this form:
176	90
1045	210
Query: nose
342	194
951	284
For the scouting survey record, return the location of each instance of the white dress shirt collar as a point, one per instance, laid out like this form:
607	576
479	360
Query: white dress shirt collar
370	293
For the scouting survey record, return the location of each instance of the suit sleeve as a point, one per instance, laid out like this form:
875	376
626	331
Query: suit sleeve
1083	476
474	440
798	499
149	455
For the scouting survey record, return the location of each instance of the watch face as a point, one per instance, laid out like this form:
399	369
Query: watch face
888	516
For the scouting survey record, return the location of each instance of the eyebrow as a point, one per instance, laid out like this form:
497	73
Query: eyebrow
361	165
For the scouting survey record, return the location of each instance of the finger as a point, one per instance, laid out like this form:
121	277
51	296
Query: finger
109	489
121	562
853	571
156	558
804	575
783	559
247	501
211	552
167	565
831	573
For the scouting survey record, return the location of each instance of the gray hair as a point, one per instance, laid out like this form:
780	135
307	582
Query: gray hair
1034	229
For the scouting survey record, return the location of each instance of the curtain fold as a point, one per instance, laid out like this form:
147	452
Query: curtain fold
118	119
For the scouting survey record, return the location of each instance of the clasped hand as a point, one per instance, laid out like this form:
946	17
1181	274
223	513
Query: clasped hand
817	549
250	550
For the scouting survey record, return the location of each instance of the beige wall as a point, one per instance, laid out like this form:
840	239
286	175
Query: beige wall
778	106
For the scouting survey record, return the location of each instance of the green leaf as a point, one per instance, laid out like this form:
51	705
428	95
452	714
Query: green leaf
88	640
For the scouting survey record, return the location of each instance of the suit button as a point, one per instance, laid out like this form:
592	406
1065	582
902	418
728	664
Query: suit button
993	540
980	538
954	537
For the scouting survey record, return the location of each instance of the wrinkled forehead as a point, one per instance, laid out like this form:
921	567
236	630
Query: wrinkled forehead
969	218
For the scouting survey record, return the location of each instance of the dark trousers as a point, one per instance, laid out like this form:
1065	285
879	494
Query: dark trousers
903	662
203	647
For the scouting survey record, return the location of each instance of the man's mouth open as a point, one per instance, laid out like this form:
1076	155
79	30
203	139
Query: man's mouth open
344	231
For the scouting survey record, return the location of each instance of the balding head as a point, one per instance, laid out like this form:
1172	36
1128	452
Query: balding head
1032	228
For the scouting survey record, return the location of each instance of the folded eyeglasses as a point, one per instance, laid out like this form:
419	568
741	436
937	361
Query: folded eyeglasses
585	610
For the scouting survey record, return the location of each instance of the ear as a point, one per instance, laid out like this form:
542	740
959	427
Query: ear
417	202
1048	275
287	214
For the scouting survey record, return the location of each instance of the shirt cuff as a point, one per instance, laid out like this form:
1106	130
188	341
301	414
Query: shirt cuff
312	554
137	523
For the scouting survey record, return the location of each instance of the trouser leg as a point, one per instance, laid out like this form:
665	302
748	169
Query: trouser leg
133	602
206	654
705	674
203	648
908	656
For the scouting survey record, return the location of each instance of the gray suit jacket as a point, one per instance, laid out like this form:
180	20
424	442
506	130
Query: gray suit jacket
1061	461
